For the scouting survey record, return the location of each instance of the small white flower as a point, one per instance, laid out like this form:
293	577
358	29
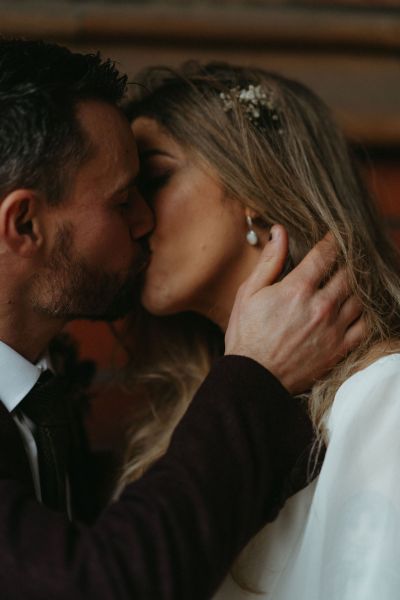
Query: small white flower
252	98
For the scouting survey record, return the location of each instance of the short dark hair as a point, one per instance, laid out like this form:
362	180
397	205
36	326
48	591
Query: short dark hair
40	136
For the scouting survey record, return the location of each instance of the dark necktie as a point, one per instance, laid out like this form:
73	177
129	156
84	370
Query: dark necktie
46	407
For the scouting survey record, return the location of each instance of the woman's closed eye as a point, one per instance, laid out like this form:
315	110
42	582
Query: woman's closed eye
149	183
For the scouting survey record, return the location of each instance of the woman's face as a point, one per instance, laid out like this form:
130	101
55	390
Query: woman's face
199	254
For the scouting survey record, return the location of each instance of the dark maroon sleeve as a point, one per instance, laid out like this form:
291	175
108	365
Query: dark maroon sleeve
174	533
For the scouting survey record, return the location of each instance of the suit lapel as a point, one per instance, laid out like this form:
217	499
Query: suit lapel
14	463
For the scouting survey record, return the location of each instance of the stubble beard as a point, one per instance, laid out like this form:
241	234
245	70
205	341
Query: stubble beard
68	288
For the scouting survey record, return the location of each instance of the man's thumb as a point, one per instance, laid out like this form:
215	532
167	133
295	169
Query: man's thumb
271	261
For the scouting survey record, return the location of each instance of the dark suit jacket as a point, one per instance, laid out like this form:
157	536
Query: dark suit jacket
14	464
13	460
174	533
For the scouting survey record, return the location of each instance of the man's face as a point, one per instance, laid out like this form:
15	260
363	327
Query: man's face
95	246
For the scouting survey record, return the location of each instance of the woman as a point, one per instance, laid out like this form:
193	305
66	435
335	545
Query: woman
226	152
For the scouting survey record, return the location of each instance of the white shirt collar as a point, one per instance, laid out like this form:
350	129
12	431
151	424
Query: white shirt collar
17	375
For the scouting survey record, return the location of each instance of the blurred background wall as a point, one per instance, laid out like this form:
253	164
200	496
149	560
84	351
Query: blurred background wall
346	50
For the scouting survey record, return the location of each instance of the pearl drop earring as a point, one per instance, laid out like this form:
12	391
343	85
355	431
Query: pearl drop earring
251	236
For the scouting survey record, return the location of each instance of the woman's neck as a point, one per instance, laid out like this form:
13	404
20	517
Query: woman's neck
217	304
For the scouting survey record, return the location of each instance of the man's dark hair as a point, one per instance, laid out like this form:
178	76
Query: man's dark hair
40	136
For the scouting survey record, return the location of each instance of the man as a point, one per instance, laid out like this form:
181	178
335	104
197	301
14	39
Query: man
71	229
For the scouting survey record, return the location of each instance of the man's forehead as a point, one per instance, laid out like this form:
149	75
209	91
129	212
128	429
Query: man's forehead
112	164
108	133
104	122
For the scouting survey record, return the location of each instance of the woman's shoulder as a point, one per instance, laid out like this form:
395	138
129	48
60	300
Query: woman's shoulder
371	393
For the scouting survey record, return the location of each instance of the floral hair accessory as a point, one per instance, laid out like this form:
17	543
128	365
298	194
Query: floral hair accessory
255	101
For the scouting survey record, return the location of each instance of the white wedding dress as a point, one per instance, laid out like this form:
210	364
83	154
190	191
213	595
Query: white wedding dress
339	538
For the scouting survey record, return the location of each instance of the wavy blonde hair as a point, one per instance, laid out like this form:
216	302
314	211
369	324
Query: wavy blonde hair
297	171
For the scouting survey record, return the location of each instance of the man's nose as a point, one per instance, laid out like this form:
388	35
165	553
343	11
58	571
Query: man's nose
142	220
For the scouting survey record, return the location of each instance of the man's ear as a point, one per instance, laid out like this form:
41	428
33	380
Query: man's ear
19	223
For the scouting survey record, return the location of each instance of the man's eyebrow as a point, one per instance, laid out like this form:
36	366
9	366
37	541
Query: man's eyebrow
123	187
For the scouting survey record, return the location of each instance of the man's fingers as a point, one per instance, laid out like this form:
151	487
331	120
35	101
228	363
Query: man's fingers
354	335
350	311
317	263
337	288
271	261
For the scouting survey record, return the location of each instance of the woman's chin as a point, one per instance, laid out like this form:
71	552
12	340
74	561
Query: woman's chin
160	304
155	304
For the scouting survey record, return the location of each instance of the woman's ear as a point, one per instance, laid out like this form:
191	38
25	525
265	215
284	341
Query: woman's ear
250	212
19	222
257	230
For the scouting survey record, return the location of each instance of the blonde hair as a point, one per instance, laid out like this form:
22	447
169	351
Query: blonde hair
297	171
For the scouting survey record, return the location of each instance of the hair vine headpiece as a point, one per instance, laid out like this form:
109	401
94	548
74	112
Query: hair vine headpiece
254	99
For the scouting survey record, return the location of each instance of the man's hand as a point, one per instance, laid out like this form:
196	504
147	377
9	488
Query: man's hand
300	327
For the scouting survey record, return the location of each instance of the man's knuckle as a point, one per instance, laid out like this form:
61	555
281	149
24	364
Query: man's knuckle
322	311
301	293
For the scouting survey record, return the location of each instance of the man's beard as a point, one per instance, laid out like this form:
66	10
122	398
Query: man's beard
68	288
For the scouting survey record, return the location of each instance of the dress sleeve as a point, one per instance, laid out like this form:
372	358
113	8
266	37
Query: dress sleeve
173	534
357	504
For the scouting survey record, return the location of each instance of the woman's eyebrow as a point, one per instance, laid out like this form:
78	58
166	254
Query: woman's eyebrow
154	152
